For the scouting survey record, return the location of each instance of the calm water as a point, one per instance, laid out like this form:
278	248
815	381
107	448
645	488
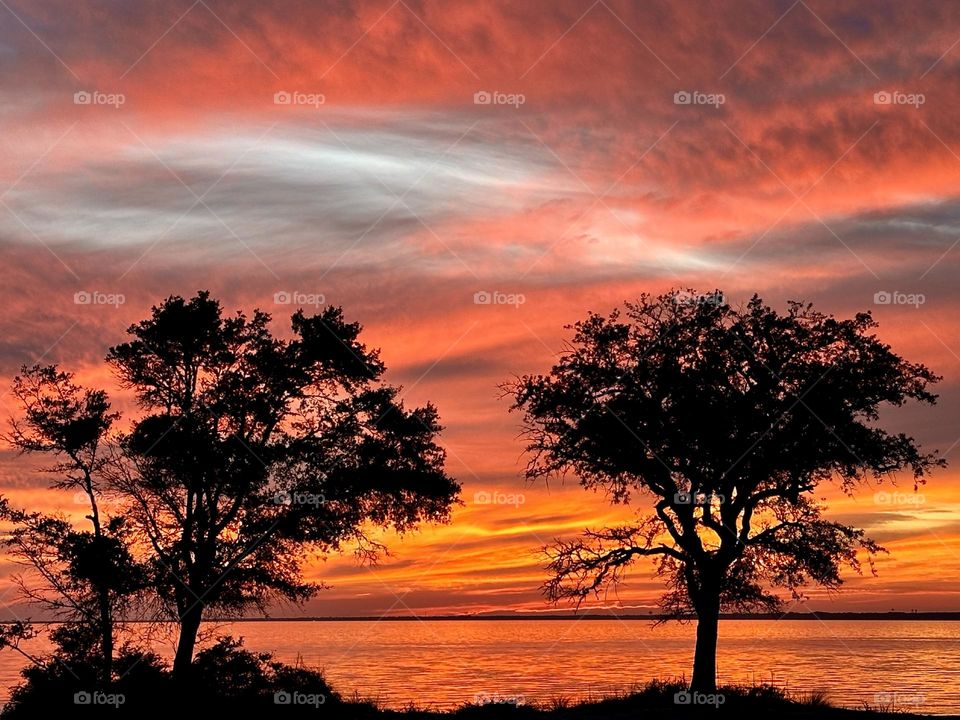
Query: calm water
443	664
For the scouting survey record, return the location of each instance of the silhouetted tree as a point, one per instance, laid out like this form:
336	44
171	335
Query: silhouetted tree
86	576
724	421
16	632
254	451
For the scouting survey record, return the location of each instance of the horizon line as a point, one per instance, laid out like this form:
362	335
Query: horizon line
813	615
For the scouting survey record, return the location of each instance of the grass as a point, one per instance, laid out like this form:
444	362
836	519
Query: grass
658	699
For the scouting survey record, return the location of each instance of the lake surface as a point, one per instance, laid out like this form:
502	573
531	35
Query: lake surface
443	664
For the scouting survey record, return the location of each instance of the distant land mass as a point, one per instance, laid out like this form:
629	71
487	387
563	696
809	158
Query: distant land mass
892	615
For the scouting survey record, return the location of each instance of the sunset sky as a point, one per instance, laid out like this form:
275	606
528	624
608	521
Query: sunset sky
817	159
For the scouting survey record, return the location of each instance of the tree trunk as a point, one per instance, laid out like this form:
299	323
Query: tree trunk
705	657
106	638
189	627
103	592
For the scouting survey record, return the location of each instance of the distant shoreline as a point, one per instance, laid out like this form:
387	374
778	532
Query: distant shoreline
951	616
821	616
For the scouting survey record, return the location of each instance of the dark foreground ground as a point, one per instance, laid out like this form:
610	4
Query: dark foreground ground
653	702
657	701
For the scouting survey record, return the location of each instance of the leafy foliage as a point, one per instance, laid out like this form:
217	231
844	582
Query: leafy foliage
723	421
254	452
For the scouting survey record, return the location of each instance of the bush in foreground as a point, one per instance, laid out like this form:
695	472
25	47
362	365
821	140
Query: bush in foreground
226	677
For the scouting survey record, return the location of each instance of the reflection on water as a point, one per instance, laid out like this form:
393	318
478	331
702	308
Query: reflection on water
443	664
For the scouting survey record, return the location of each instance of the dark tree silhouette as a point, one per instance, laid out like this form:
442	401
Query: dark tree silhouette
254	451
86	576
724	421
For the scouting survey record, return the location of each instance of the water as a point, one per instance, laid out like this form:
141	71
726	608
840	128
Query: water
442	664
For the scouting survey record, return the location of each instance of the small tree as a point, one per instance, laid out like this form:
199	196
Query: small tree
725	421
86	576
254	452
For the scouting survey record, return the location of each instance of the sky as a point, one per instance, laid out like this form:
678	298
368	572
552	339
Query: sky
467	179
